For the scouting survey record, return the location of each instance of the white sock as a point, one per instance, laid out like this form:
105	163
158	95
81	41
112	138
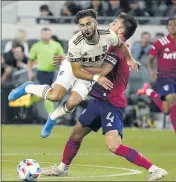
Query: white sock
152	168
60	112
149	91
63	167
38	90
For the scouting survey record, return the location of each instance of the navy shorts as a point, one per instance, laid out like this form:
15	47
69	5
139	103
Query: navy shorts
101	113
165	86
45	77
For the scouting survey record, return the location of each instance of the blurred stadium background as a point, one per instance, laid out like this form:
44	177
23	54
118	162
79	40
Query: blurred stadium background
22	22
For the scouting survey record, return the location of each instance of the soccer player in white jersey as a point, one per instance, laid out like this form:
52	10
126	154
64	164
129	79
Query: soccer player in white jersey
88	48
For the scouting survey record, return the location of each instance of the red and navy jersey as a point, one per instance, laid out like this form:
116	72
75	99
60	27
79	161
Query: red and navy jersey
165	51
118	76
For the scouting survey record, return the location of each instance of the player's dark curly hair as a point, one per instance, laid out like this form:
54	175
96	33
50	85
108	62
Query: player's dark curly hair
130	23
84	13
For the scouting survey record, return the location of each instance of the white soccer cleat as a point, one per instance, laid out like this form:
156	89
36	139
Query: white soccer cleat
157	174
53	171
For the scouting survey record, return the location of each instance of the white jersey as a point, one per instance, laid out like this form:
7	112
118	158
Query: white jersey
91	54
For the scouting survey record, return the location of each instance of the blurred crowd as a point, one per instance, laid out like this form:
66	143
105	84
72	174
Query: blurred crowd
110	8
17	53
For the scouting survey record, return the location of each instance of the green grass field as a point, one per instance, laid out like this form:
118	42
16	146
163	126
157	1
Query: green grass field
94	162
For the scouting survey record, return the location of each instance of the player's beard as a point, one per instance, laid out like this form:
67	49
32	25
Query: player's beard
88	35
91	36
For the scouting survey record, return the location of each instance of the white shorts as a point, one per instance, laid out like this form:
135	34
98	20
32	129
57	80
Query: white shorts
66	78
82	87
65	75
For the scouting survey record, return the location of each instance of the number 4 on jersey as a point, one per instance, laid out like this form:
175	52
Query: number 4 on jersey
111	118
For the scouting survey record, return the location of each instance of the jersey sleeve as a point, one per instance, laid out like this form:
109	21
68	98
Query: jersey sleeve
74	52
154	51
111	58
114	39
33	53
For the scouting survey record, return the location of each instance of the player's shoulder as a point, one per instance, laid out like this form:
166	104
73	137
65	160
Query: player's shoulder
162	41
103	31
77	38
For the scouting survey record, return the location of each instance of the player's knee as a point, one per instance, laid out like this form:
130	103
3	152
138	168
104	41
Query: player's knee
73	102
113	140
113	145
54	96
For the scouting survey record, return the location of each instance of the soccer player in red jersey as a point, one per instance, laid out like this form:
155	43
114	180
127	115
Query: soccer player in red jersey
107	109
165	51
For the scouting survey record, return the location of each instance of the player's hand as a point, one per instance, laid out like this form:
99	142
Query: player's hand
104	82
30	75
58	60
153	75
134	65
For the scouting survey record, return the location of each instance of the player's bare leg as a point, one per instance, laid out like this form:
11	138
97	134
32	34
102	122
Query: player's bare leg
168	106
114	144
64	109
68	106
54	93
71	148
73	100
171	99
147	90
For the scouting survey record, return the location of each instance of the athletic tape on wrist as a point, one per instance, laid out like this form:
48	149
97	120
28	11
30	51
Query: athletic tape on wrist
95	78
